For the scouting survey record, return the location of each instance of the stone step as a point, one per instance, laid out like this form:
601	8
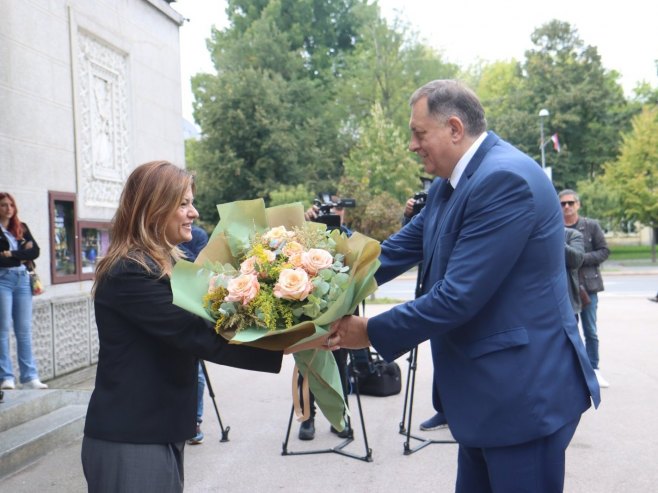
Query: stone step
55	418
20	406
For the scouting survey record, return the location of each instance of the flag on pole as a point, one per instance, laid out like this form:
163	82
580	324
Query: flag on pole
556	142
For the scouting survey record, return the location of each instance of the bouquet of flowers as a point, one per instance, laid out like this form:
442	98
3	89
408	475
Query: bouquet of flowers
270	279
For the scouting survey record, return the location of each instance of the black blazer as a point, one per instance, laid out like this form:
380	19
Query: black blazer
22	253
146	381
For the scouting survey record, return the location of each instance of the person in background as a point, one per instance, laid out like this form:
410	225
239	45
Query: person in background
438	421
191	249
574	254
307	428
510	369
589	274
17	246
144	403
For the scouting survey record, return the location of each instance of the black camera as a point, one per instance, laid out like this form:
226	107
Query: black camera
325	205
420	198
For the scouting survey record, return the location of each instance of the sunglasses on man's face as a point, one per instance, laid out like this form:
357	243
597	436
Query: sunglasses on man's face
569	203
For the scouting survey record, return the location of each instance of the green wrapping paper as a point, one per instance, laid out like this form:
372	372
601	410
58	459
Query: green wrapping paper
232	236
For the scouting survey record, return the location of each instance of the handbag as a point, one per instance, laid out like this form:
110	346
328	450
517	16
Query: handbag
35	281
375	376
584	296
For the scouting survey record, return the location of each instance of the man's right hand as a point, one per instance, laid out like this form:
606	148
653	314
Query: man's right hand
409	207
312	213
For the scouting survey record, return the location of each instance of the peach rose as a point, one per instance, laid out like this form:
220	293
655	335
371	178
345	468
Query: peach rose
243	288
291	248
248	266
293	284
316	259
295	259
215	281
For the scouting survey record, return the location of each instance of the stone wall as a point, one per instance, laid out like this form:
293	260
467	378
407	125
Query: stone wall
64	335
89	89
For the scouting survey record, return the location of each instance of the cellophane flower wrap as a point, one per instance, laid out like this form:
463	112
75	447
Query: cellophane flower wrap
270	279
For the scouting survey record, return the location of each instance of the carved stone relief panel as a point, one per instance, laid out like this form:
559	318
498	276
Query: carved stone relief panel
103	120
71	334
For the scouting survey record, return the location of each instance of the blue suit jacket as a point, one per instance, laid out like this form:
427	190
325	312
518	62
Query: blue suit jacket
509	364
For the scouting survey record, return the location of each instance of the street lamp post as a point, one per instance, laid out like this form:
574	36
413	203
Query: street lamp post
542	114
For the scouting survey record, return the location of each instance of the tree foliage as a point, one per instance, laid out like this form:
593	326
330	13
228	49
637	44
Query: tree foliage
312	95
379	164
586	102
387	64
267	115
634	176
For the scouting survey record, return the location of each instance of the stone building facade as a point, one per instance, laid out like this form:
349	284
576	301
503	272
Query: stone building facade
89	89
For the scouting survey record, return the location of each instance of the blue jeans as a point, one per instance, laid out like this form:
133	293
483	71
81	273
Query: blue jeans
588	318
199	402
16	305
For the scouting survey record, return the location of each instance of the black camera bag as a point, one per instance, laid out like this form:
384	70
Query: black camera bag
375	376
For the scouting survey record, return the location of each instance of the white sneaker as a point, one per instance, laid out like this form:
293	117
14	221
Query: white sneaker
603	383
35	384
8	385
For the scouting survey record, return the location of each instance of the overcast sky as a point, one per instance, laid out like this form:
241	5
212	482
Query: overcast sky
625	32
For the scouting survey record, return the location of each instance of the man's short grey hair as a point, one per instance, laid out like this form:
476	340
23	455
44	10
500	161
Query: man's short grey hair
568	191
447	97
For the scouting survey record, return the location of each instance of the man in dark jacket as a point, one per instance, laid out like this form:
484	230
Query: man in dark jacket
596	252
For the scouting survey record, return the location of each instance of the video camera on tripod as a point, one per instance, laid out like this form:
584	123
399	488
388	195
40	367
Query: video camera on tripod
325	204
420	198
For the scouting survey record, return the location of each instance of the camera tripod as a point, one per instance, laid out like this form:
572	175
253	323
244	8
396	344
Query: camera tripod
211	393
405	422
339	449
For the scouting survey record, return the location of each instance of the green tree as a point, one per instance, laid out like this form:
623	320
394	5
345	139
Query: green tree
386	66
633	177
287	194
501	87
586	102
319	32
379	168
267	116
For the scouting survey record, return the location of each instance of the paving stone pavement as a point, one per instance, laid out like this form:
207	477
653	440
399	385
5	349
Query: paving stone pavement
614	449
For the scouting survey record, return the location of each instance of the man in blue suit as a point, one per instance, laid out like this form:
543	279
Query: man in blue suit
510	370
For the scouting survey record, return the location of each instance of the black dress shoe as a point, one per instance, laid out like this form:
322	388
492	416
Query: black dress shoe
307	430
346	433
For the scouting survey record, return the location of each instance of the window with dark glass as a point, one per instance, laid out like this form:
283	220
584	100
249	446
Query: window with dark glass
94	241
63	252
75	246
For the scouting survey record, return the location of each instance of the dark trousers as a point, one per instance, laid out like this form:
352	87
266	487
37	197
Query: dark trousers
110	467
532	467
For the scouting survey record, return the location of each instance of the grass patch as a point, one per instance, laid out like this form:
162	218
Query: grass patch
630	252
383	301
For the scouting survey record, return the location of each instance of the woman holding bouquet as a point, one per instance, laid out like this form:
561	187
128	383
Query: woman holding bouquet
144	403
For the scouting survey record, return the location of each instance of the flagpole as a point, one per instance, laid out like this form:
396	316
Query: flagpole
542	114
